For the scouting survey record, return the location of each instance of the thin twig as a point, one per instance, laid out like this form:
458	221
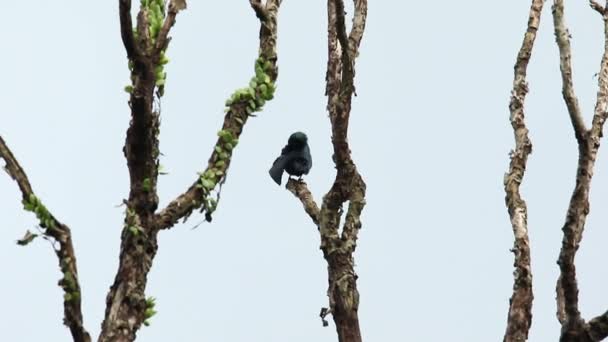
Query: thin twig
14	170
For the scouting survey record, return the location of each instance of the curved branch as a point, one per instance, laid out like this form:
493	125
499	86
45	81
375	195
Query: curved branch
238	112
520	309
59	232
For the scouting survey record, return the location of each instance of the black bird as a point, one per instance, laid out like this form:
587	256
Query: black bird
295	158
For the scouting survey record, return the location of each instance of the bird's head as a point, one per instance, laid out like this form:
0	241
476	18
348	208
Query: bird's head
297	139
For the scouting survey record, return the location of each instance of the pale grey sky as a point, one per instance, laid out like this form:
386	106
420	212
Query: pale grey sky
429	132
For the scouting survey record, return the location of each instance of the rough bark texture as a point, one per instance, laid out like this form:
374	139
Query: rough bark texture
145	45
126	301
59	232
574	327
338	247
520	308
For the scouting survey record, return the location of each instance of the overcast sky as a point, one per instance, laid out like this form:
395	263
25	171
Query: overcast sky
429	132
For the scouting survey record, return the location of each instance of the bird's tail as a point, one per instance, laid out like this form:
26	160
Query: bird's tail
276	171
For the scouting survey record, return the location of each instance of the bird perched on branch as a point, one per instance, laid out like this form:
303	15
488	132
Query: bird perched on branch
295	158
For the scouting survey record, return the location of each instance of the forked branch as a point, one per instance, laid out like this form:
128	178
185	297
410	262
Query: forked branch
240	106
574	327
126	302
348	185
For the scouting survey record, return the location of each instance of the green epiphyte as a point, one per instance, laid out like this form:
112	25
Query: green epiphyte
146	185
134	230
207	184
163	58
260	102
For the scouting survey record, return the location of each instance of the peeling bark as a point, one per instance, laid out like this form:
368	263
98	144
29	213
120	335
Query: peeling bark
520	305
574	327
338	247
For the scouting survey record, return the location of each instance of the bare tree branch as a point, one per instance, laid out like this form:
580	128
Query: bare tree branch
126	29
341	32
239	110
260	10
597	7
573	326
520	309
561	303
174	7
299	189
598	327
349	185
562	37
59	232
14	170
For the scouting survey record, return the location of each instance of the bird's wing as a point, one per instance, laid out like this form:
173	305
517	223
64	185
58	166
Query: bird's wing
301	161
299	165
287	149
276	171
308	157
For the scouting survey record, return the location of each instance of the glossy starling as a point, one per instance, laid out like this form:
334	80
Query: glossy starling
295	158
